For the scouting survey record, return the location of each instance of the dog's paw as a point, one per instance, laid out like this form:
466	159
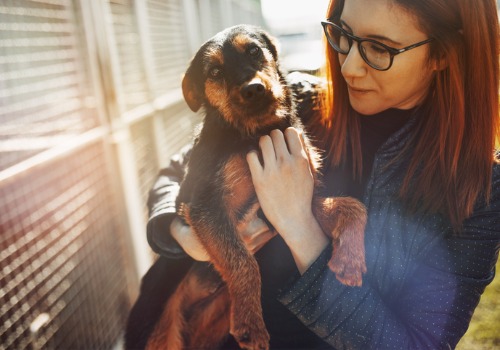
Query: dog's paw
251	334
348	268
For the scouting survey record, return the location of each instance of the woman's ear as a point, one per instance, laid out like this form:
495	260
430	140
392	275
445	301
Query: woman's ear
439	64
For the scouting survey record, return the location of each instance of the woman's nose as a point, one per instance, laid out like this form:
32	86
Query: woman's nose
352	64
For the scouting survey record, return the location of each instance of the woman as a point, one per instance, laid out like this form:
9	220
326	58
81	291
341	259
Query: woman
409	127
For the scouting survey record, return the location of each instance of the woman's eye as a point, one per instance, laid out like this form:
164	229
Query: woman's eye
215	72
254	51
377	48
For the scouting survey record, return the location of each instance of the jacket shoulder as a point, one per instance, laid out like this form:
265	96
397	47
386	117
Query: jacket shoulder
302	82
307	90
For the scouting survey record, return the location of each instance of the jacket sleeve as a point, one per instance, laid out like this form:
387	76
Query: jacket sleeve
431	310
161	205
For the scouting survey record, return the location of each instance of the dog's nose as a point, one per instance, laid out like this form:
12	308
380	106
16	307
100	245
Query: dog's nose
253	90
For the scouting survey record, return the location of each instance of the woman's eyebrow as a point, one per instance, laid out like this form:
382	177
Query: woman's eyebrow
373	36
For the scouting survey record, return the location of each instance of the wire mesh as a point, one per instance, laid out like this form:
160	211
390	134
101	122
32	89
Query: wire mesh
146	160
45	95
175	130
210	17
62	257
126	35
170	51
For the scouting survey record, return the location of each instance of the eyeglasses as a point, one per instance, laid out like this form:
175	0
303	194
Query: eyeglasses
377	55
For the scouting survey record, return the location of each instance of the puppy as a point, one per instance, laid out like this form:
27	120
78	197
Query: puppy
235	77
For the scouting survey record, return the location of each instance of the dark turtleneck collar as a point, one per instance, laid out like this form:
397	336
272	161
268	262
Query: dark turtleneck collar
375	130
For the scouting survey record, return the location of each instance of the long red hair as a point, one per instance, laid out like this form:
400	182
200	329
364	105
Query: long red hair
453	146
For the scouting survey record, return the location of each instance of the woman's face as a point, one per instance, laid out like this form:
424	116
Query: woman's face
406	83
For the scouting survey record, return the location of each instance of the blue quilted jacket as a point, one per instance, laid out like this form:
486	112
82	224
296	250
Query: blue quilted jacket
423	281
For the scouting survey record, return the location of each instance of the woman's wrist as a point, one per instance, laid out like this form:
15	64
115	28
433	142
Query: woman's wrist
306	241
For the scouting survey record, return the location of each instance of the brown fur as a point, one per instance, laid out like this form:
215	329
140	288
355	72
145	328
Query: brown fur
245	96
240	42
195	317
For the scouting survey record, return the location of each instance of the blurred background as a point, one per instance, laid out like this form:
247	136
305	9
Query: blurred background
90	110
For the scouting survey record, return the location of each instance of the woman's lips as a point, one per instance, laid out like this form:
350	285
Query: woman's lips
357	90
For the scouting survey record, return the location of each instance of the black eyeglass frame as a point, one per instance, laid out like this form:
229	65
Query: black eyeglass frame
350	38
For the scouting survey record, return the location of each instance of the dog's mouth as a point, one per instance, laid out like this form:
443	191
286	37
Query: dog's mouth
258	104
250	119
259	107
257	98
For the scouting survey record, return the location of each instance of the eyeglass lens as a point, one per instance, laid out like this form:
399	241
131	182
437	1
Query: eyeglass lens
375	55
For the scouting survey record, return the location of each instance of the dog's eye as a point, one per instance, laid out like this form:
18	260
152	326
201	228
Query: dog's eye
254	51
215	72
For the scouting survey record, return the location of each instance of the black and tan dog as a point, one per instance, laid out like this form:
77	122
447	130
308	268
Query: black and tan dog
236	79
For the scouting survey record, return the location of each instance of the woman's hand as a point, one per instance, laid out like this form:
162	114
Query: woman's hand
284	180
254	232
285	185
187	239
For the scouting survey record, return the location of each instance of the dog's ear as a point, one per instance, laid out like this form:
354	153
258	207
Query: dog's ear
271	43
190	92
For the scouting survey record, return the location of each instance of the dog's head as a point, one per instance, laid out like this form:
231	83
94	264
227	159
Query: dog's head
236	73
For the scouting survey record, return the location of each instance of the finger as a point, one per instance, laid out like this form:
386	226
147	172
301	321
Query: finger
261	240
302	139
252	228
294	141
196	250
188	240
279	144
254	163
267	149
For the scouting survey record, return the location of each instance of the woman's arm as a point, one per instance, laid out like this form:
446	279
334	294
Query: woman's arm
161	205
432	311
443	284
284	185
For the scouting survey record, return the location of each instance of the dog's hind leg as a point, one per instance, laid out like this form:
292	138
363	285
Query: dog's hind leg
209	322
344	218
197	314
168	333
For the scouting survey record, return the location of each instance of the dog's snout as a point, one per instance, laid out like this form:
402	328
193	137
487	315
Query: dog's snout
253	90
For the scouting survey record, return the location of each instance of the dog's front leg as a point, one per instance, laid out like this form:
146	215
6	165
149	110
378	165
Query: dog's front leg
344	219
